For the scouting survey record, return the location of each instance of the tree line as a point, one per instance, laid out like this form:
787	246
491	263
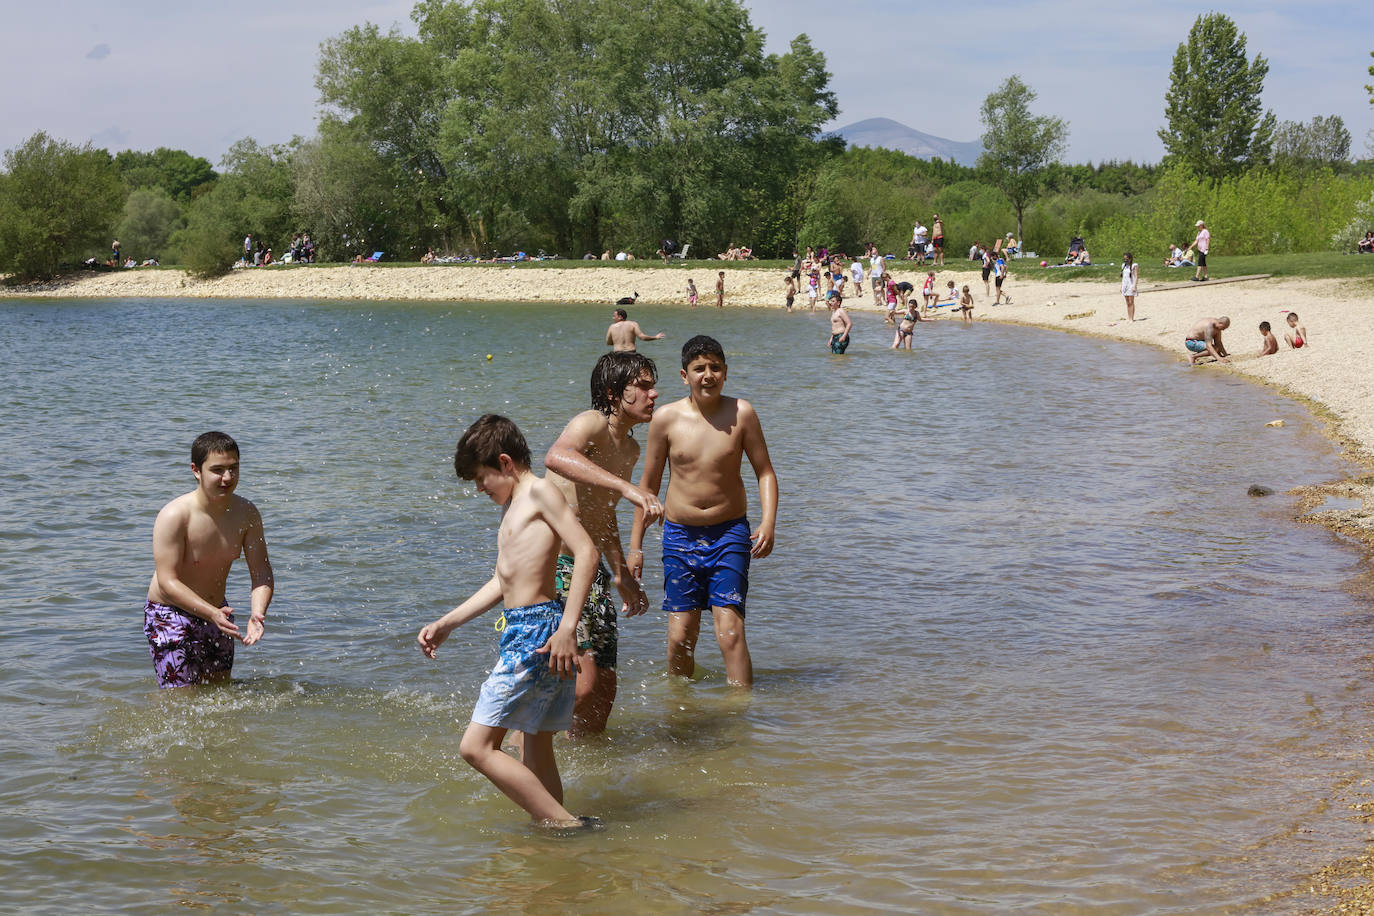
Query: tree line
574	126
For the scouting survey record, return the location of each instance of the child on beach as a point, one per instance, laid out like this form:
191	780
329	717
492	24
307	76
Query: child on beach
813	287
1270	345
720	290
951	292
928	297
890	294
691	293
999	271
789	291
856	273
706	540
1298	339
531	689
966	305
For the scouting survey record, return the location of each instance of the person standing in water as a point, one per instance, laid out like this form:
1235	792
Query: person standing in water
196	539
623	332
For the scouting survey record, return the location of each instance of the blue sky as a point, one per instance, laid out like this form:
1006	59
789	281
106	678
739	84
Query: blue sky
145	73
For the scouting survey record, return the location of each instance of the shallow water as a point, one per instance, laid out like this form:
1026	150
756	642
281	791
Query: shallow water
1025	644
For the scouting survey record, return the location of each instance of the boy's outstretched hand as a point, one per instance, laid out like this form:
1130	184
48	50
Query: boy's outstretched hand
763	543
562	652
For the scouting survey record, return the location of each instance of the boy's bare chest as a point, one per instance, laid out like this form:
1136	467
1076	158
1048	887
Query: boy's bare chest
212	542
703	444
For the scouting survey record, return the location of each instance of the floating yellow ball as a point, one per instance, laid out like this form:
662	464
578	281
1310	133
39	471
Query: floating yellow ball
488	356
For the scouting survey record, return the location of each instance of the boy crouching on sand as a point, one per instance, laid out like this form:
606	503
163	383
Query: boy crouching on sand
706	538
531	689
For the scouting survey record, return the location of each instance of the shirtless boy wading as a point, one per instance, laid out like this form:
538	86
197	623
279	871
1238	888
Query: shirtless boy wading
706	539
196	539
591	462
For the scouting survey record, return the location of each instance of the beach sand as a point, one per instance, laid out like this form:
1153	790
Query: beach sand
1333	376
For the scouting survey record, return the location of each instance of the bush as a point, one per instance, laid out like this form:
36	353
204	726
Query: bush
58	205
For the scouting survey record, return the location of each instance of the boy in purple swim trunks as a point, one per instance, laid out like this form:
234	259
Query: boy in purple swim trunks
707	545
531	688
196	538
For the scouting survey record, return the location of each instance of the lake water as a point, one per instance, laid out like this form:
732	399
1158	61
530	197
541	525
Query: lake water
1024	645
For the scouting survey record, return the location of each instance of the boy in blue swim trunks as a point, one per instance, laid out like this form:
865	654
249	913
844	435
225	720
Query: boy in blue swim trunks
707	544
196	539
531	687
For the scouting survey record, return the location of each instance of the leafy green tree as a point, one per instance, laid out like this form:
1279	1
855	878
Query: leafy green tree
1323	143
253	197
1018	147
1215	123
58	204
578	124
150	218
175	171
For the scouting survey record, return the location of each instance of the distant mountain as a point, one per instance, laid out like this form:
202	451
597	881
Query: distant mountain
889	134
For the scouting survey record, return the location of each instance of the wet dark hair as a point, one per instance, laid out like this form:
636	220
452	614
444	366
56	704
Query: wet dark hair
622	314
701	345
1264	327
213	441
614	372
485	441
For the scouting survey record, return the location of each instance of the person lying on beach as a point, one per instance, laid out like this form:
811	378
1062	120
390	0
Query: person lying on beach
1270	344
196	539
1298	338
702	439
1205	339
623	332
531	688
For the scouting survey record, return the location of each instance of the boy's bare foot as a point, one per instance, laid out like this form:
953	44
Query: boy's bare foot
575	827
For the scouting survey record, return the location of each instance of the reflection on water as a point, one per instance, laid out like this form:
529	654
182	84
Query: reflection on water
1024	643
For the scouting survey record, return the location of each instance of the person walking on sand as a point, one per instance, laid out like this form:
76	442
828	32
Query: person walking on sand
1205	339
1202	243
196	539
720	290
1130	279
702	439
691	293
623	332
856	273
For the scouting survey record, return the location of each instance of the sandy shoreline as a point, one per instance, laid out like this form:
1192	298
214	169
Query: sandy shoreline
1333	376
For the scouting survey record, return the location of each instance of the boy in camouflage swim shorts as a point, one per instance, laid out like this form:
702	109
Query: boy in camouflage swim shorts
591	462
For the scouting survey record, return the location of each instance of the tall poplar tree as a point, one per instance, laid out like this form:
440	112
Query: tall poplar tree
1216	125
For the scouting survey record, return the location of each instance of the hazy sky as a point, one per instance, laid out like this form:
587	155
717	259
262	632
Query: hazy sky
140	74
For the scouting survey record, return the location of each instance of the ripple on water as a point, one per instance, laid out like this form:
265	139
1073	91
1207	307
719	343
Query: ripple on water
1024	643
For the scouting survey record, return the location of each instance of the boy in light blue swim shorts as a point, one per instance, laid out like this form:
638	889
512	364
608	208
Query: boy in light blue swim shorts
531	689
707	544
